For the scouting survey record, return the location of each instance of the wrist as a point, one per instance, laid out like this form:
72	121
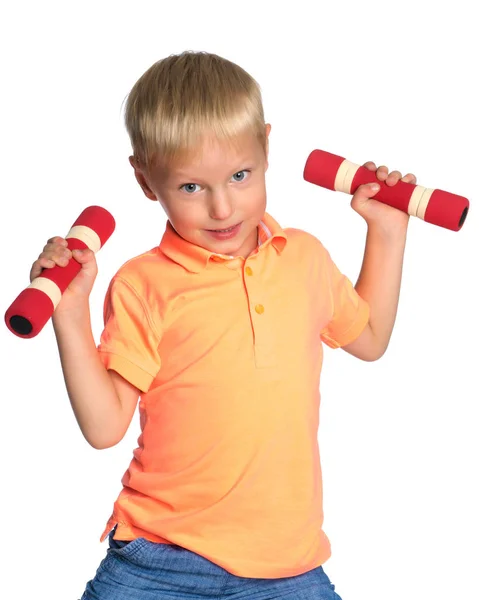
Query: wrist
79	314
394	234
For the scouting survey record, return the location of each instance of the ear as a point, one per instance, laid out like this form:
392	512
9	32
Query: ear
140	177
268	130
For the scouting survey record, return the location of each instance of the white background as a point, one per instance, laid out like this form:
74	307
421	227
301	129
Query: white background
392	82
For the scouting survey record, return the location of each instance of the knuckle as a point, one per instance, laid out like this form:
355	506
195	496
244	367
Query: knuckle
56	241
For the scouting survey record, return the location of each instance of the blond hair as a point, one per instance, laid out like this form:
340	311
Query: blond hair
184	97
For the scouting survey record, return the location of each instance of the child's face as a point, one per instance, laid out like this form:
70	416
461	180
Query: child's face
217	188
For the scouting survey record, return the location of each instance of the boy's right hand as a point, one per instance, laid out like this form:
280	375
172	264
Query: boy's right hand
56	252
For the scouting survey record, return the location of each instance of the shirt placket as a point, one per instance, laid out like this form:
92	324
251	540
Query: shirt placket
260	318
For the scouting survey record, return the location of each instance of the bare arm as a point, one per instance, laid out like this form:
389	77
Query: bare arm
102	401
379	284
380	278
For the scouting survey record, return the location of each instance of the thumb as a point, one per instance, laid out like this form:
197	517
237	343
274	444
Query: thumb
367	190
86	258
83	256
364	193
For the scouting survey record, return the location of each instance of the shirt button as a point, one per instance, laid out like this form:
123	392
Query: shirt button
259	308
249	271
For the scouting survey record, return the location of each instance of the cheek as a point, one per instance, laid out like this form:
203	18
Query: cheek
254	197
258	202
187	217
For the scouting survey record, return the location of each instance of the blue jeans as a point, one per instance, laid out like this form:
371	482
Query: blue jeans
144	570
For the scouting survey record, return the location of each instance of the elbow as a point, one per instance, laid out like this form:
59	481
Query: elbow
101	437
372	355
378	354
102	443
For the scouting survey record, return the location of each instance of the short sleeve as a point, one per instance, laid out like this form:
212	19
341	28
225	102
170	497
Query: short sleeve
350	311
129	341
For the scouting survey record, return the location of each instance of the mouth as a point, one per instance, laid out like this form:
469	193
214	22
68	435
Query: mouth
227	230
227	233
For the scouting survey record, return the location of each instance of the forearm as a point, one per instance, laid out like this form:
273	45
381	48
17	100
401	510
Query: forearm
92	394
379	281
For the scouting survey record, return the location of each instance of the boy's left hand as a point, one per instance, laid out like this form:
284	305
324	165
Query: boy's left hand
375	212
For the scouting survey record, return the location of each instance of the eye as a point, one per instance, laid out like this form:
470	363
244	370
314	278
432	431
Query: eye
188	186
244	171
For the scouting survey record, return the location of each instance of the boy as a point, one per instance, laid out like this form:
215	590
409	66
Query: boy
218	330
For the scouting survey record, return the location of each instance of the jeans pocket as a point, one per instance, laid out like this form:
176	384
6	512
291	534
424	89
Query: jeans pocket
126	548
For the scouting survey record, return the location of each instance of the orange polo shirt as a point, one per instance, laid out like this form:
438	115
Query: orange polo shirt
227	353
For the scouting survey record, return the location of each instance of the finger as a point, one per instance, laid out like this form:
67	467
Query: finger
48	260
382	173
409	178
34	271
38	266
45	262
58	240
62	257
393	178
59	255
370	165
53	246
55	251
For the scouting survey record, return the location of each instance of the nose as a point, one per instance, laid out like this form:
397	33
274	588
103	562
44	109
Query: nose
221	205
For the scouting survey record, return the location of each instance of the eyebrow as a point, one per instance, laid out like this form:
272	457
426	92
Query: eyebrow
183	175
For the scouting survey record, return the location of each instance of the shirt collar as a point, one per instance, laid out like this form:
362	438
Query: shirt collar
195	258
